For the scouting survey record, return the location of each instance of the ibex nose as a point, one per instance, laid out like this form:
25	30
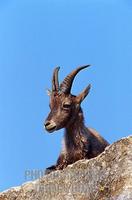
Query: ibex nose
50	126
47	123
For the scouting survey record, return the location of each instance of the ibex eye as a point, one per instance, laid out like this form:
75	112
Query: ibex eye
66	105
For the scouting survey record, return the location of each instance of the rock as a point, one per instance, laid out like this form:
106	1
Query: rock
106	177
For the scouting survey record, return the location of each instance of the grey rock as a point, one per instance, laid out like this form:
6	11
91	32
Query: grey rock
106	177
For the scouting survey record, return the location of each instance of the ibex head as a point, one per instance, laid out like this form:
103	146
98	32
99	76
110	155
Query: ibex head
64	106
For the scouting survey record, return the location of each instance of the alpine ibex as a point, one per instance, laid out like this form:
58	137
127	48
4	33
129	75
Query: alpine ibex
79	141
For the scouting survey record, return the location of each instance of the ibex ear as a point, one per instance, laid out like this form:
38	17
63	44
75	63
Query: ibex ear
48	92
83	94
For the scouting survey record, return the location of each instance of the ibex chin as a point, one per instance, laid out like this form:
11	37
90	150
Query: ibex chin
79	142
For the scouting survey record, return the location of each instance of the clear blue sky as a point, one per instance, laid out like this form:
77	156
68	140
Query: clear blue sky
37	35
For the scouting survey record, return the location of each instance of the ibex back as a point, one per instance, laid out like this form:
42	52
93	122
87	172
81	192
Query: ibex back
79	141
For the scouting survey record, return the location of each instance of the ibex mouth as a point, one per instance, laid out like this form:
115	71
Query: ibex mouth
50	130
50	127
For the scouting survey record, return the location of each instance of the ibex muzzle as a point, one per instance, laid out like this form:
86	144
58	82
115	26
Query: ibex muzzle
50	126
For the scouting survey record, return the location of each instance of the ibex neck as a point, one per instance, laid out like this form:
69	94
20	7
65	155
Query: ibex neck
76	123
75	131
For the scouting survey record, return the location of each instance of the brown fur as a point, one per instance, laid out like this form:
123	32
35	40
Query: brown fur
79	141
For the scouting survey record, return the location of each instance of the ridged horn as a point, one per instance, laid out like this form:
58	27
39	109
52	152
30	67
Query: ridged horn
67	82
55	82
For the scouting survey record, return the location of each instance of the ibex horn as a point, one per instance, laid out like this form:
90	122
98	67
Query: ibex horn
55	82
67	82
